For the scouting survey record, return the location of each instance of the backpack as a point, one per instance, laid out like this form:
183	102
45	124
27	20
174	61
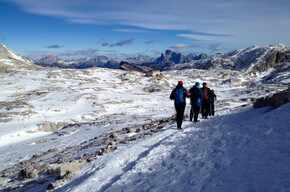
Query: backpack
205	93
194	95
178	96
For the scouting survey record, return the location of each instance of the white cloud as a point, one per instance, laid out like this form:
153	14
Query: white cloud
122	42
215	47
179	46
253	22
131	30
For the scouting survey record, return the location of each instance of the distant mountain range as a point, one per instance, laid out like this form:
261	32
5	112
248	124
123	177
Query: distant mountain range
252	59
54	61
166	59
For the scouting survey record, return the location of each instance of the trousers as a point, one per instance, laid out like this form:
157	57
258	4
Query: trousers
179	113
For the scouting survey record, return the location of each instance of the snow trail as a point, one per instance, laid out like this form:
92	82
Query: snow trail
235	152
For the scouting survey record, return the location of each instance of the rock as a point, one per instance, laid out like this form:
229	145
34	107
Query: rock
27	173
131	130
114	136
102	151
70	168
2	181
125	141
64	159
53	170
51	126
112	145
54	184
275	100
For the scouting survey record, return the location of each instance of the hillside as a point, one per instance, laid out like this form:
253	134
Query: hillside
10	61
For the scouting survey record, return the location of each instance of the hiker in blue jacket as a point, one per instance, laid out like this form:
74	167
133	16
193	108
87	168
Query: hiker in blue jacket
179	94
196	97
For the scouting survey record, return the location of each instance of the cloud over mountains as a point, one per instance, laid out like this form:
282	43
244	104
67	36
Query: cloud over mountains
54	46
254	21
122	42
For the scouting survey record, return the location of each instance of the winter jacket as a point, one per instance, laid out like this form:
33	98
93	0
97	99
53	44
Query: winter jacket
208	92
185	93
195	96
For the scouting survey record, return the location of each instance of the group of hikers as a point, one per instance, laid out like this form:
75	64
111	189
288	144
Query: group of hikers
201	99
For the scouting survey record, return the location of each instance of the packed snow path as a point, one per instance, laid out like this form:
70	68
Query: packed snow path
245	151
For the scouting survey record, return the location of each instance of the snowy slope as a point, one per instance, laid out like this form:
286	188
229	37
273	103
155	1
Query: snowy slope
244	151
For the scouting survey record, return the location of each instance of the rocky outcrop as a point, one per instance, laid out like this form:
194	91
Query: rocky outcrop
171	57
12	62
129	67
64	164
51	126
275	100
272	59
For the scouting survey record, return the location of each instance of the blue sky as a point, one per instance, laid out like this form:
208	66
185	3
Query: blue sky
120	28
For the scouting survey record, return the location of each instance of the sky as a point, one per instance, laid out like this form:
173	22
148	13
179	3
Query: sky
121	28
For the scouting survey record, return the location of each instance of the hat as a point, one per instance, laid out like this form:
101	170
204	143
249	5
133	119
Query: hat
197	84
204	84
180	82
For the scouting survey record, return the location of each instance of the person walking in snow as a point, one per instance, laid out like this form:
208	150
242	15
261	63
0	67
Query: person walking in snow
195	99
212	100
179	94
205	105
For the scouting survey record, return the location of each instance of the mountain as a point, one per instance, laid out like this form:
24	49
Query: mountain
252	59
139	59
11	61
50	61
192	56
83	63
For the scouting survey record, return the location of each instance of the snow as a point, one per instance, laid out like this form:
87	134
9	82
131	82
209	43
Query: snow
14	55
241	149
244	151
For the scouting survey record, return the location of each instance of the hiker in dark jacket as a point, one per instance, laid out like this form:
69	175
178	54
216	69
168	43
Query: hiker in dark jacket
212	100
205	105
195	99
179	94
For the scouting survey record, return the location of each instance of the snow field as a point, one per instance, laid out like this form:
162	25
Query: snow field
225	153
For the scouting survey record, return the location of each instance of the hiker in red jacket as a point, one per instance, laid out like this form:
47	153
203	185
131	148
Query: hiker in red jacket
205	105
179	93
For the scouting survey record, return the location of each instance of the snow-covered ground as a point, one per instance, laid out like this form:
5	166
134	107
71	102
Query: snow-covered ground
51	117
247	150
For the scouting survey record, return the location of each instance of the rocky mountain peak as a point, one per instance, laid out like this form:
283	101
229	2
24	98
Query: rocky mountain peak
6	53
171	57
11	61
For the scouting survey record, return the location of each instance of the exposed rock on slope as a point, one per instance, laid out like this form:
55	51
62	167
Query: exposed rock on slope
10	61
129	67
275	100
